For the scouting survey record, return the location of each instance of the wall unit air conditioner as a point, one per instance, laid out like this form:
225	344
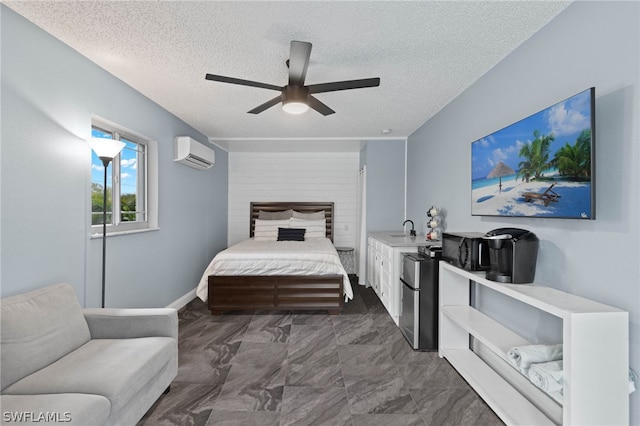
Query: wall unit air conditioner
193	154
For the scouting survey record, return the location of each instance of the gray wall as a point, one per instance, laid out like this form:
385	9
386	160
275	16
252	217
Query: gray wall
385	160
49	93
589	44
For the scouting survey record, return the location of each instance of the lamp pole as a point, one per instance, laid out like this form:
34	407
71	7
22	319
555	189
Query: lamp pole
106	150
105	161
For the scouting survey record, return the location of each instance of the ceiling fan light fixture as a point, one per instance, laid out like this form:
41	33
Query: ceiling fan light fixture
294	100
295	107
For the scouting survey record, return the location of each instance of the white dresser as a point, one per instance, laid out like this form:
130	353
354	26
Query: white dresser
384	264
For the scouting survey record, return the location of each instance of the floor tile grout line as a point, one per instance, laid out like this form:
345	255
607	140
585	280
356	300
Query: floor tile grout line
340	363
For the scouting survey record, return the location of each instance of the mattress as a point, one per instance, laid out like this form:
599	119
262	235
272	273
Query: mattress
315	256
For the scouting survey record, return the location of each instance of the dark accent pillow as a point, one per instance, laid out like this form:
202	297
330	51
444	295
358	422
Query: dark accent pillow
291	234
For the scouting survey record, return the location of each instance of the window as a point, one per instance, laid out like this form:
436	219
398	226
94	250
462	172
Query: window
127	186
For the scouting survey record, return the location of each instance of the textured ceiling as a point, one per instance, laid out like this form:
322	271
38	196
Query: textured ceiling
425	53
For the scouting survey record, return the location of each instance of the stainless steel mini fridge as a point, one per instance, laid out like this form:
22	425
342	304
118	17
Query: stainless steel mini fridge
419	306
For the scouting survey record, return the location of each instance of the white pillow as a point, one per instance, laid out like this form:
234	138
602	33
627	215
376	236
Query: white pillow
316	228
267	230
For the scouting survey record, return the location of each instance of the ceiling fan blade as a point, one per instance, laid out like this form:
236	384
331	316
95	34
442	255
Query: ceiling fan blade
299	54
343	85
266	105
319	106
241	82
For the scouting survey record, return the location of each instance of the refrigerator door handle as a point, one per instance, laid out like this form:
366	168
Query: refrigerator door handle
416	319
408	285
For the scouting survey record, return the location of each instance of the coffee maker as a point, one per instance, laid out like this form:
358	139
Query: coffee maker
512	255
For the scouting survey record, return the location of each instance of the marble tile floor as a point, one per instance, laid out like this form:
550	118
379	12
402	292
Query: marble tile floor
297	368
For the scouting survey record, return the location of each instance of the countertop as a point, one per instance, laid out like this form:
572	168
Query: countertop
400	239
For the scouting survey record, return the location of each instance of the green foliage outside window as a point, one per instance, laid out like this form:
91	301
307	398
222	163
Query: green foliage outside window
127	204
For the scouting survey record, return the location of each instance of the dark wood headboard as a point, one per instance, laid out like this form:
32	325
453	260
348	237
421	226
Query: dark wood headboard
304	207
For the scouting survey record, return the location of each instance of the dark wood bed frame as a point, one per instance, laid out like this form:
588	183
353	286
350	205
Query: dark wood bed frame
279	292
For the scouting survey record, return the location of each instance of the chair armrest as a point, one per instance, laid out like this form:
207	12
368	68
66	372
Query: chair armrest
131	323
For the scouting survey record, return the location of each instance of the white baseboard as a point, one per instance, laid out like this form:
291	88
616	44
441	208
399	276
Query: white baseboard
182	301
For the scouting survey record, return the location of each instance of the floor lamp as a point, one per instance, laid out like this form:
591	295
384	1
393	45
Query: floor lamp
106	150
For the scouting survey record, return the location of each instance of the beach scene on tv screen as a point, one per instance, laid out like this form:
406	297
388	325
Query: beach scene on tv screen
539	166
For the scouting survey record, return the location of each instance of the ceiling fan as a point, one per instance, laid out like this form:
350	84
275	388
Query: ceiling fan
296	98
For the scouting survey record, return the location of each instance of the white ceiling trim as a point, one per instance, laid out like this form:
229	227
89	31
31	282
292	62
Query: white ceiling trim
297	144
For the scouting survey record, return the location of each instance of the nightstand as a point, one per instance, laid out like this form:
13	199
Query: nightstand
347	258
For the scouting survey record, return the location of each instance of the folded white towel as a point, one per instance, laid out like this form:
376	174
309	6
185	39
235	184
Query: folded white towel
522	357
547	376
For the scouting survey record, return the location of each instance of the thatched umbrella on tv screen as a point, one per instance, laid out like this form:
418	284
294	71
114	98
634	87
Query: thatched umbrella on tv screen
500	170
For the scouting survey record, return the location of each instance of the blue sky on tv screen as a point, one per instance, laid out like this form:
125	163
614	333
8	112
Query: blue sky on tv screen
565	120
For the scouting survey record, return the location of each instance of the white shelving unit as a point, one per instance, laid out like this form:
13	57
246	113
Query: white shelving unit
595	351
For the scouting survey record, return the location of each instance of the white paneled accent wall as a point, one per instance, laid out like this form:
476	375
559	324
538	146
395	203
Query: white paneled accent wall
294	176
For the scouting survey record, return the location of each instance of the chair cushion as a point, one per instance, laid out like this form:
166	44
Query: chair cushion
115	368
39	328
66	408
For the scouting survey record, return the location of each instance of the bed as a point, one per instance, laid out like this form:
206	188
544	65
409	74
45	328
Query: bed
262	274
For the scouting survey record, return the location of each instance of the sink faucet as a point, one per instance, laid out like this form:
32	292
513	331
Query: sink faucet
413	231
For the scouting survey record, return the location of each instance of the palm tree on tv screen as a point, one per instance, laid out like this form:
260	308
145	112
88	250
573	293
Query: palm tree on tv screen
575	160
536	154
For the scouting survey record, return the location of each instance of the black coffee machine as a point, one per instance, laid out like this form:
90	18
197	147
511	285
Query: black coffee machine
512	255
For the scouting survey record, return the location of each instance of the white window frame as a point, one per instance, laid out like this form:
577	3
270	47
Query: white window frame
147	184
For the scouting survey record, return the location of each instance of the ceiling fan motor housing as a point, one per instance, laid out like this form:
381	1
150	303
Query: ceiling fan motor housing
295	94
295	99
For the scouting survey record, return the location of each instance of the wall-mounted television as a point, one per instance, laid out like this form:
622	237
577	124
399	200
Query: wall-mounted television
540	166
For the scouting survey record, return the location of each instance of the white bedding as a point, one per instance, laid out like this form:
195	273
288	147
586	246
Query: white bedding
315	256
